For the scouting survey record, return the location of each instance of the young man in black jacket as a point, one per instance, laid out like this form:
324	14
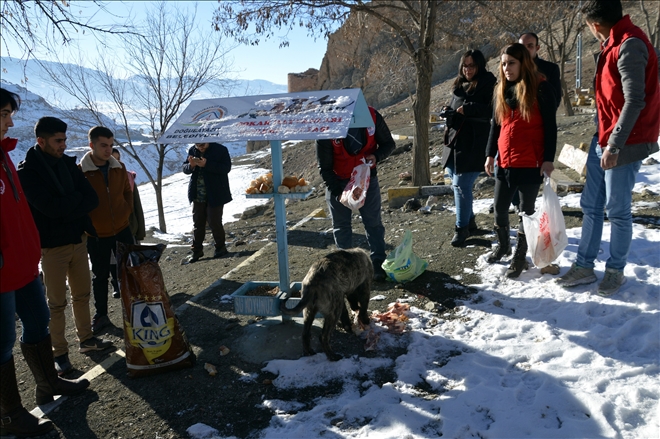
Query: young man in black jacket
208	165
551	70
60	198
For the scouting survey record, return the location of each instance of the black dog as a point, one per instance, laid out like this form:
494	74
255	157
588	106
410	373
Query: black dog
343	273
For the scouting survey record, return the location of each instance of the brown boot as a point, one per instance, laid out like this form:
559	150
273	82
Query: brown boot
14	418
40	359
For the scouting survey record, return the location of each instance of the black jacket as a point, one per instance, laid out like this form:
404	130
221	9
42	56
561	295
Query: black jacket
325	156
551	72
215	174
466	134
60	197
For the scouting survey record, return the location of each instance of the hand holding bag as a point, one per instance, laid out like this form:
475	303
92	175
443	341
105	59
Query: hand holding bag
545	229
356	190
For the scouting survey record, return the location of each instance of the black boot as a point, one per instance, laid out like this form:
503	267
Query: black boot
472	226
503	247
40	359
14	418
519	261
461	234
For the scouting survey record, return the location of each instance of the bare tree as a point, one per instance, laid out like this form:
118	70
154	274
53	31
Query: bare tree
652	25
165	69
412	22
26	22
556	22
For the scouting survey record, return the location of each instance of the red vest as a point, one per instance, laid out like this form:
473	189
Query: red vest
19	238
609	90
343	162
520	144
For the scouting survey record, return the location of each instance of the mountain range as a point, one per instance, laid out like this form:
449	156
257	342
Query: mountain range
40	98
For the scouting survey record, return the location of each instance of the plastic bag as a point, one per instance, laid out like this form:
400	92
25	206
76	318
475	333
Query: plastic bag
154	339
356	190
545	229
402	265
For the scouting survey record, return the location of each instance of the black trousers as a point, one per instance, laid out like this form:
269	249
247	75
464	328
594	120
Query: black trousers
99	250
504	194
203	214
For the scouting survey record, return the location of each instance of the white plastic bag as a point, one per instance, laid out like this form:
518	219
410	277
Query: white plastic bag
545	229
356	190
402	265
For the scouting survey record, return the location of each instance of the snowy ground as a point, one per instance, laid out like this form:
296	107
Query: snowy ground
528	358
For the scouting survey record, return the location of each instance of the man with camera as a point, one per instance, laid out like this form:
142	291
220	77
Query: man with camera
208	165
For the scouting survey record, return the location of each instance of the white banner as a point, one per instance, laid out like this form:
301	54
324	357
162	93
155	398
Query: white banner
325	114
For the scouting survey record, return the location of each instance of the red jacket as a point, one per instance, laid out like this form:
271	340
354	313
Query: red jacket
520	144
19	238
344	162
609	90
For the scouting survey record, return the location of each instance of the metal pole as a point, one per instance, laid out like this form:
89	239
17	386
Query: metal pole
280	215
578	60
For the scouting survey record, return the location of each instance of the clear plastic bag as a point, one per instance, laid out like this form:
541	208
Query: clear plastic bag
545	229
355	191
402	265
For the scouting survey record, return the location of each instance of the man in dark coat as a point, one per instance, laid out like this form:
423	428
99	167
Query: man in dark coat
61	198
208	165
551	70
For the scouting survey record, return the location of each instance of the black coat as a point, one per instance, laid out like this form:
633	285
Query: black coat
466	134
60	208
215	174
551	72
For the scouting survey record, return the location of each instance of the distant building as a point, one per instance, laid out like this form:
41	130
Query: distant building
305	81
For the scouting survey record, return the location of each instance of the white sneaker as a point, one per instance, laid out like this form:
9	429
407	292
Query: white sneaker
611	282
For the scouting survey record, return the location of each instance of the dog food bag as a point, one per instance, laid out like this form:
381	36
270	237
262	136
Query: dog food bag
155	341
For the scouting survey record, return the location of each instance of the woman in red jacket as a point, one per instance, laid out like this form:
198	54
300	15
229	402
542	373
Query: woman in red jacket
523	136
21	293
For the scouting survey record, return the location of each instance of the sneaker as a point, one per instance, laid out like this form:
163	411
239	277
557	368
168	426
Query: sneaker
62	364
94	344
99	322
611	282
220	252
577	276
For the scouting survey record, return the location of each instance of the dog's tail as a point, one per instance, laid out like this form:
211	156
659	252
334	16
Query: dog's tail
296	309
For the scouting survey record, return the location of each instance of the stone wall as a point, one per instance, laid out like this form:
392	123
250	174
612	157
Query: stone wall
305	81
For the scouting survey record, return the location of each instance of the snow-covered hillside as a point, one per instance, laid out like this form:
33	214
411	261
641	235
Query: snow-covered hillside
39	98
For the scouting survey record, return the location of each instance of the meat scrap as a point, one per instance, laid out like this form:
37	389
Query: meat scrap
394	318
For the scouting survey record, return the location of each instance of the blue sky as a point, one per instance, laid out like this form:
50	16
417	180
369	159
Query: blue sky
265	61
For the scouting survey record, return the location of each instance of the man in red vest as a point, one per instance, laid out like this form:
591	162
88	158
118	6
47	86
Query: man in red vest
628	105
336	159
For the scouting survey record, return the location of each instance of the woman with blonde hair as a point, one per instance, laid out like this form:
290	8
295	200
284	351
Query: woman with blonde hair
523	136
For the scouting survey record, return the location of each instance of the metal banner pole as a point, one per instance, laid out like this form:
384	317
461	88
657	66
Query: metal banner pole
280	215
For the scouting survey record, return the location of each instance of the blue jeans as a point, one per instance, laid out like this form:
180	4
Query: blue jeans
370	213
29	302
611	190
462	184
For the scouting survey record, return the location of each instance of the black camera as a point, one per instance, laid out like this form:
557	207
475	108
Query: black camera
447	112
